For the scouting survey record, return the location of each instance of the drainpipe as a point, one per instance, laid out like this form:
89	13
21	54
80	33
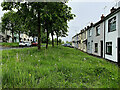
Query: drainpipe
104	39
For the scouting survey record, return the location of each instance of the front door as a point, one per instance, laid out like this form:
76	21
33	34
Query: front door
118	51
102	49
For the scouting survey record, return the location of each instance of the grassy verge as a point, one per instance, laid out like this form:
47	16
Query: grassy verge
9	44
60	67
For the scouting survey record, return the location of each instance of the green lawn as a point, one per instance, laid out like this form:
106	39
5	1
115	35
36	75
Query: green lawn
9	44
60	67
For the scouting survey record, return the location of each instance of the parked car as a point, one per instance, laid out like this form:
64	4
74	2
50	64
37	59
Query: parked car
67	45
34	43
23	44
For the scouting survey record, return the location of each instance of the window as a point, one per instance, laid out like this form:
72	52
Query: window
109	48
90	33
112	24
96	47
24	39
98	30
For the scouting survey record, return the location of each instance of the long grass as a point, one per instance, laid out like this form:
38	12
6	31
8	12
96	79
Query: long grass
58	67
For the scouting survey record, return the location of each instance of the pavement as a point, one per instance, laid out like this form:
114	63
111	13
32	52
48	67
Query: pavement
8	48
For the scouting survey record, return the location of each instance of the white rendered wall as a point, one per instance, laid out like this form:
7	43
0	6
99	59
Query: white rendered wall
98	39
111	37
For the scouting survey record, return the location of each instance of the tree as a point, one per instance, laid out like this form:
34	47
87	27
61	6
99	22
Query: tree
46	16
9	23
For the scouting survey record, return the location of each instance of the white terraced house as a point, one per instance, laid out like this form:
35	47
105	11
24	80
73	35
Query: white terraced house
102	38
90	39
98	37
112	35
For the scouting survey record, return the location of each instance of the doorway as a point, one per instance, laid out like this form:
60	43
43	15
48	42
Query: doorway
102	49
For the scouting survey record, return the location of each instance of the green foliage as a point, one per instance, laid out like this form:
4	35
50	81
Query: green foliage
53	17
59	67
9	44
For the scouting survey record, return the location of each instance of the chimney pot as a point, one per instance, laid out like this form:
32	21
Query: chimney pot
91	24
102	17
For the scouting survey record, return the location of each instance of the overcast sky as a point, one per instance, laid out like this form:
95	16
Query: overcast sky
86	12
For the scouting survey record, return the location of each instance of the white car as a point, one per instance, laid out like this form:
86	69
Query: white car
28	44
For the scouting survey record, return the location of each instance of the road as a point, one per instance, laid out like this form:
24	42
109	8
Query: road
8	48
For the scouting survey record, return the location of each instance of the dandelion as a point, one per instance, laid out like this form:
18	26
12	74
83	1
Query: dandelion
29	75
1	64
55	64
113	78
38	60
84	58
31	55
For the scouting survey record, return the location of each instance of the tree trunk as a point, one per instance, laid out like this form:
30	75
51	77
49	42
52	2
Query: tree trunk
19	36
57	40
39	32
12	36
6	36
52	39
47	38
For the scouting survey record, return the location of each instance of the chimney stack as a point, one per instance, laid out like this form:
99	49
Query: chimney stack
91	24
87	27
113	9
102	17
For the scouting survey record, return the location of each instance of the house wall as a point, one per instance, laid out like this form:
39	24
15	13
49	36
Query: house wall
119	23
84	41
89	40
79	46
98	39
75	44
72	42
77	41
112	37
26	38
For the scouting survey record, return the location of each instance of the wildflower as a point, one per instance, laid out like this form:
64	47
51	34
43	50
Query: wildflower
31	55
38	60
30	75
84	58
113	78
1	64
59	59
55	64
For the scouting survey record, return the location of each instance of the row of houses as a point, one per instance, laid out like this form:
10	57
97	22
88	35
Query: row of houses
102	38
7	37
